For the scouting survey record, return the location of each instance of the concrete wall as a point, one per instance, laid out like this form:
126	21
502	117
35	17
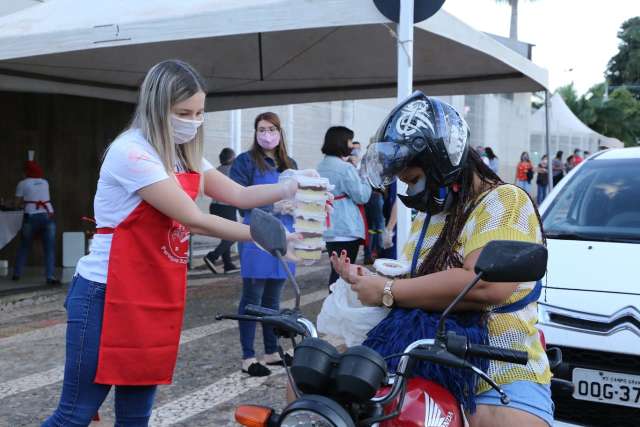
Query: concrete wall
69	135
500	121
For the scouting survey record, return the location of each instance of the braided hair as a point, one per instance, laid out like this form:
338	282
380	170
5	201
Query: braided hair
443	254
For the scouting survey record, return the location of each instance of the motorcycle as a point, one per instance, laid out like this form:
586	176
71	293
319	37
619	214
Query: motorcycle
353	388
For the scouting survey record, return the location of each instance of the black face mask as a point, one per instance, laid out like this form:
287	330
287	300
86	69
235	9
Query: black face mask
428	200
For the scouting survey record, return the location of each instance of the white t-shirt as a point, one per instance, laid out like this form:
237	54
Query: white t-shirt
34	190
130	164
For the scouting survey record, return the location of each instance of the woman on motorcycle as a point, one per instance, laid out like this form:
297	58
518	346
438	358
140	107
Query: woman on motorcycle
462	206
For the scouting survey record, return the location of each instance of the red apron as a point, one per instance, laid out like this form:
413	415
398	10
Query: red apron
145	296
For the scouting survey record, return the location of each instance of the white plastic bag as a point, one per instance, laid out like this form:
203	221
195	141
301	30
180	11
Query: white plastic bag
344	316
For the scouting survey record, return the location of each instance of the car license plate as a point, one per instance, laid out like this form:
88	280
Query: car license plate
606	387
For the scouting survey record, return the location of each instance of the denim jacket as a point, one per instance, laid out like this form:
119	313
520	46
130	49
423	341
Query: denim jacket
346	220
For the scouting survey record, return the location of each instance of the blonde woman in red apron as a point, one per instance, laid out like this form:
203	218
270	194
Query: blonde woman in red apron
126	302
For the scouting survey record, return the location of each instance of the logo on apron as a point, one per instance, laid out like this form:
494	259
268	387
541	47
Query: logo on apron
177	247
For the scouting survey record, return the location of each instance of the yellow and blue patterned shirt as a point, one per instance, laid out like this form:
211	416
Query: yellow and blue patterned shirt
504	213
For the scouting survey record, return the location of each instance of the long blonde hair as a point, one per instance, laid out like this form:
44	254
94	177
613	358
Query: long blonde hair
166	84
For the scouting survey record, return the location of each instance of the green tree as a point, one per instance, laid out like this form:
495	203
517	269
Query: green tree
617	115
513	28
624	68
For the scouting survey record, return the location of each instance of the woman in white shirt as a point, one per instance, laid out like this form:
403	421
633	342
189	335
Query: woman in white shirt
33	194
126	303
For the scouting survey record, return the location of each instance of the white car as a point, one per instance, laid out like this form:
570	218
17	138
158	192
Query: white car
590	301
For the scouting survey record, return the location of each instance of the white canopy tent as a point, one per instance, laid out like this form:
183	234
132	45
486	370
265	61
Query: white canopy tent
566	131
252	52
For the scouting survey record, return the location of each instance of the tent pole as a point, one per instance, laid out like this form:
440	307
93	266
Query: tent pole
405	85
546	140
289	135
235	140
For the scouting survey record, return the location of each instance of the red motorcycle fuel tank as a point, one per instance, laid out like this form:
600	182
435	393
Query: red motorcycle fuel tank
426	404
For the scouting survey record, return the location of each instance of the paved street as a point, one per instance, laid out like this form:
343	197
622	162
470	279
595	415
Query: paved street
207	385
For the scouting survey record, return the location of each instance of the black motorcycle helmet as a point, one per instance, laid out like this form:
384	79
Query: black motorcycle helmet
423	131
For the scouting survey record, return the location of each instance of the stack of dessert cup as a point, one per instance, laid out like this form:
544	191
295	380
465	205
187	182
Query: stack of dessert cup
310	217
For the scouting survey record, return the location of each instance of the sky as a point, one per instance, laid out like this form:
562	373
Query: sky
574	39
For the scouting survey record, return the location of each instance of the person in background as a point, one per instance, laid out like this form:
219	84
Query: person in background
375	223
542	179
356	154
577	159
390	211
568	165
557	168
263	276
223	210
586	154
32	193
524	172
347	224
493	159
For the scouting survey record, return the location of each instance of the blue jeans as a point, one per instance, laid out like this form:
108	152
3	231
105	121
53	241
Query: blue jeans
264	292
81	397
375	220
31	226
542	193
525	185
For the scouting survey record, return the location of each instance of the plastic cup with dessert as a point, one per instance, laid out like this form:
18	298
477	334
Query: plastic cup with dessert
391	268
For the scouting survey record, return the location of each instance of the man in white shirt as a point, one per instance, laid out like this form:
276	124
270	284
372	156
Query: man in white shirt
33	194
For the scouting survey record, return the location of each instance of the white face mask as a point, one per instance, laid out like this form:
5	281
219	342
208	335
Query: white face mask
184	130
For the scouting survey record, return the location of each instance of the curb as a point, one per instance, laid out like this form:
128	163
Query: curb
21	298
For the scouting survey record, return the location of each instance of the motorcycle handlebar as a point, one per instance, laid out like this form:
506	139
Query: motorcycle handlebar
258	310
498	353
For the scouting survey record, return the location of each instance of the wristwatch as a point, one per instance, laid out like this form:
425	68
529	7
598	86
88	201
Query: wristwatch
387	295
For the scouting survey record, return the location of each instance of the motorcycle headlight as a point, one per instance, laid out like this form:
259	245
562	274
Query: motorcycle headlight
305	418
316	411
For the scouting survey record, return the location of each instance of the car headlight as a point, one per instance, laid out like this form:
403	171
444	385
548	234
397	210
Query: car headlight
317	411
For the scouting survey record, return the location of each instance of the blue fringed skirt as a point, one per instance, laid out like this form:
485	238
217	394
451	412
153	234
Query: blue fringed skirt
403	326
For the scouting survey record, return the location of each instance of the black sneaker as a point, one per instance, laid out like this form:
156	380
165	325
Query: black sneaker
53	281
257	369
288	360
209	264
229	269
15	278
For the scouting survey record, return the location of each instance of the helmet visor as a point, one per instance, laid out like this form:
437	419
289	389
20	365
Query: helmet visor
383	161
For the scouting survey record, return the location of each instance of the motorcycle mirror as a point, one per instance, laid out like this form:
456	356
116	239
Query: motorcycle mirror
268	232
512	261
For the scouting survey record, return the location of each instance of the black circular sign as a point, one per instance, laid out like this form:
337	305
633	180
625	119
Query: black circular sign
422	9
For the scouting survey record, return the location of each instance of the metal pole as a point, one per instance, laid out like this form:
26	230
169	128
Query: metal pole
289	135
405	87
546	141
235	134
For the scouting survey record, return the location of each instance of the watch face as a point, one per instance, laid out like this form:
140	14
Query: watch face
387	300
